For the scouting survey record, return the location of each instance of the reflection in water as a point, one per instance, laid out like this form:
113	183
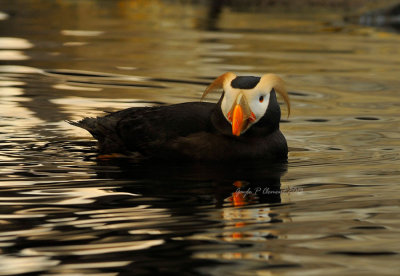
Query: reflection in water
14	43
3	16
95	218
332	210
12	55
81	33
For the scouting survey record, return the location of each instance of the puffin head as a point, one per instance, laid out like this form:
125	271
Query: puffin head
245	99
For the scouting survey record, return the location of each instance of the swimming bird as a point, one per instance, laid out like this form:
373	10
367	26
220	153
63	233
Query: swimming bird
243	125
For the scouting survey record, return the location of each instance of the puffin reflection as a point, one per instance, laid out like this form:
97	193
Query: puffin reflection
246	194
193	207
222	184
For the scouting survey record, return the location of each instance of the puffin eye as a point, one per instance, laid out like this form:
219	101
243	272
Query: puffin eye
261	99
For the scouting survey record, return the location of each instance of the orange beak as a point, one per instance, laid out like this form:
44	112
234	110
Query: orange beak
237	120
240	115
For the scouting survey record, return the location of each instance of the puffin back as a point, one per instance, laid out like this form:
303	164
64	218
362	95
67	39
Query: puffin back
146	130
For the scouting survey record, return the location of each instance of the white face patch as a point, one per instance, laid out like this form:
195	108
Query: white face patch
229	98
253	102
258	100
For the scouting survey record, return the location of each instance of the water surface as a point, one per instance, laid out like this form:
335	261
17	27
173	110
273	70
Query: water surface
334	209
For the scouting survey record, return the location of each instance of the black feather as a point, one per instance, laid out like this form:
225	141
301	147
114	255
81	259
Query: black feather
194	130
245	82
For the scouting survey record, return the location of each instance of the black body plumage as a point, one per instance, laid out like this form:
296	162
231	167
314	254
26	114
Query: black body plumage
193	130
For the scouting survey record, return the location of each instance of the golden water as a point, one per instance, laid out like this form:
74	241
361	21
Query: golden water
333	210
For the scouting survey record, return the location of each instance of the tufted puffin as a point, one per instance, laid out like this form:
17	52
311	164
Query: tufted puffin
243	125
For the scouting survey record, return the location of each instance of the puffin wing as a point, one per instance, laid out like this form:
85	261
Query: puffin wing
148	130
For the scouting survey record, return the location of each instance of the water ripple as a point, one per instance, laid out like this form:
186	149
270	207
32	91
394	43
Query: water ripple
333	209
